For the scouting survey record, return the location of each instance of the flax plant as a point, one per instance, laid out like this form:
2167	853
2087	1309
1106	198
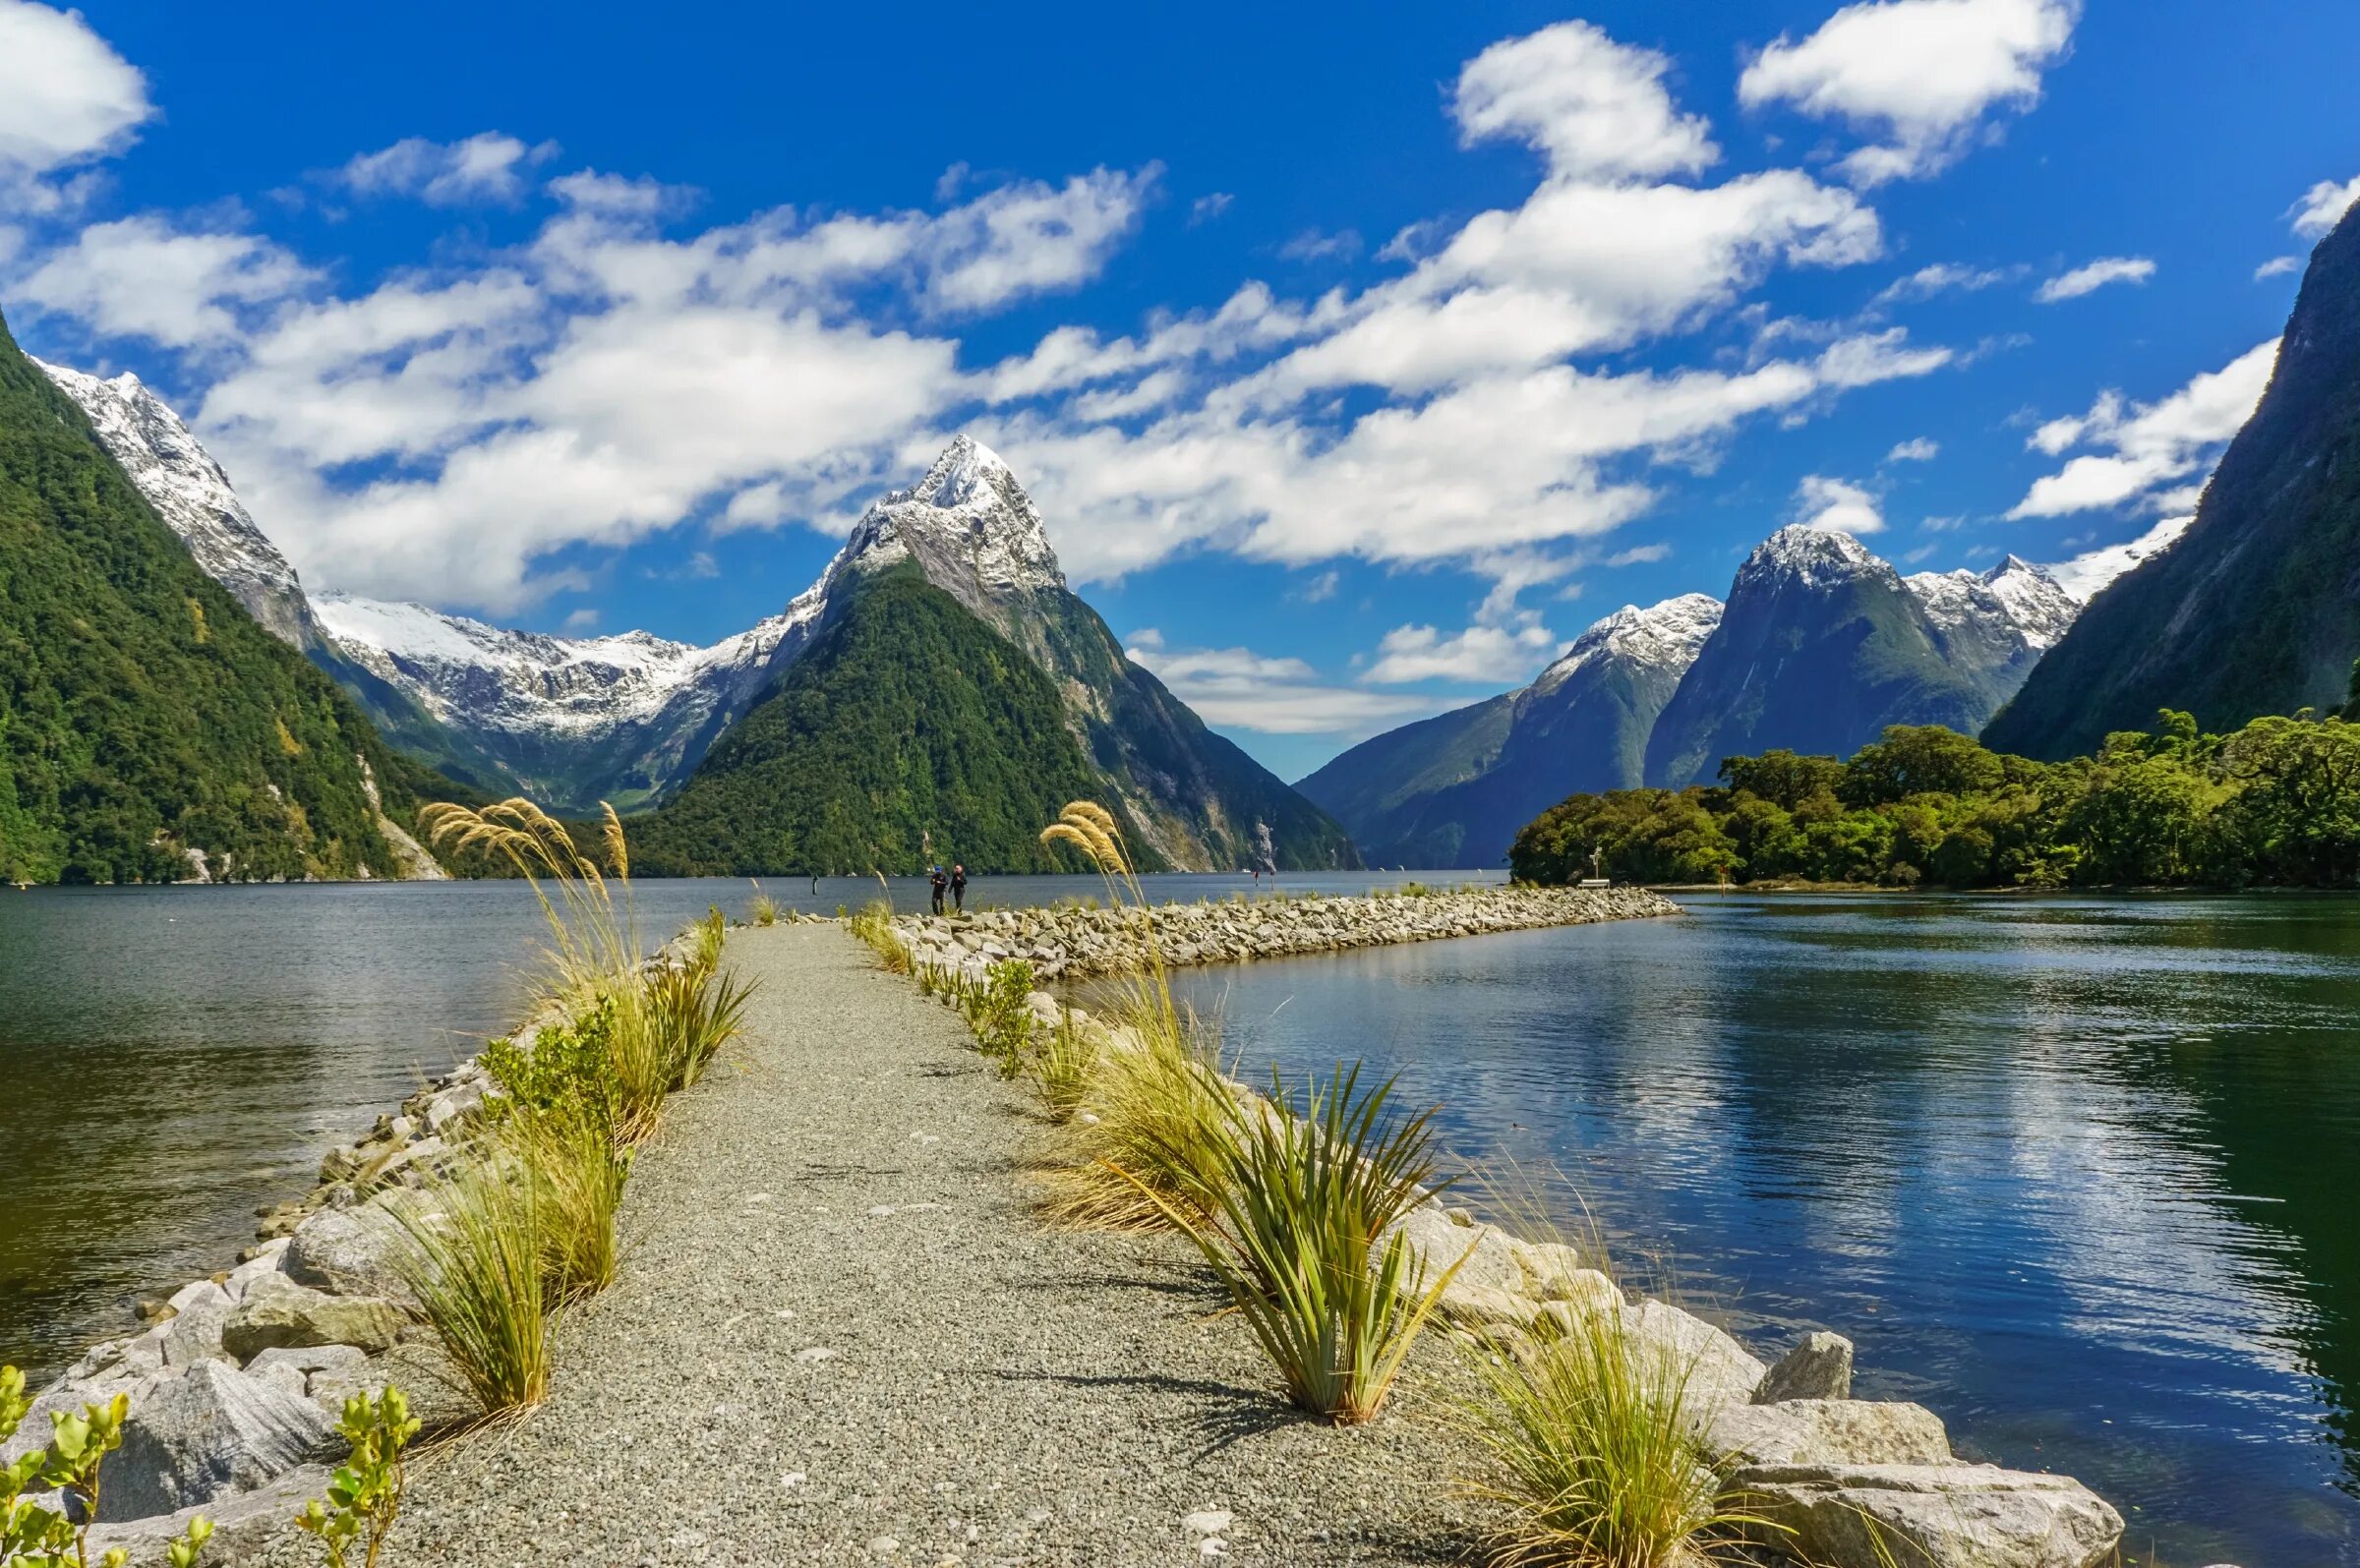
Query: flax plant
476	1265
693	1012
1300	1228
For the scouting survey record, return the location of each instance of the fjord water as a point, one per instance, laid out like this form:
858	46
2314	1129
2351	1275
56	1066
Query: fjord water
2080	1174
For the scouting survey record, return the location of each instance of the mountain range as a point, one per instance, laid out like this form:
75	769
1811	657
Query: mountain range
2256	608
1818	647
635	720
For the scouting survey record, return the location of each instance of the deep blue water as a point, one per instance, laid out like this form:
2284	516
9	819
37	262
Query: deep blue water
2080	1174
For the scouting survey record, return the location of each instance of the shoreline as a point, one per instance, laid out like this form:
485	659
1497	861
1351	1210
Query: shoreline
1507	1285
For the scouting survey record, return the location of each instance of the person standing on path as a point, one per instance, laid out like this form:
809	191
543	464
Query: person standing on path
938	882
959	887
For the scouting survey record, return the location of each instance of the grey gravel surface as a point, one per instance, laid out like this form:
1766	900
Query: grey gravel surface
840	1337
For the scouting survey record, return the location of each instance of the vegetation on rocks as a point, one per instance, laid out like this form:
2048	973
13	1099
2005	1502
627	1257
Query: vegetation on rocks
364	1495
2276	803
34	1533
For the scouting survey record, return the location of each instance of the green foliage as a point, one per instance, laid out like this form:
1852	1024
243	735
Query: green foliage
1002	1015
1061	1063
873	925
143	712
693	1011
476	1265
34	1535
763	910
364	1495
566	1072
1295	1224
2277	803
907	716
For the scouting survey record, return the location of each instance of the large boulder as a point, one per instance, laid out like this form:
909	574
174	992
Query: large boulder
292	1367
277	1311
1828	1431
354	1251
1819	1366
1712	1369
1927	1516
1488	1275
243	1526
193	1333
437	1393
208	1431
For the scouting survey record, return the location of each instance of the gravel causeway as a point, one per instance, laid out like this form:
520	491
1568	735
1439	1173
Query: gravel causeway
840	1337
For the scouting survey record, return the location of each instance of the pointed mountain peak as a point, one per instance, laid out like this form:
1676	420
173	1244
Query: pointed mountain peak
968	523
1663	636
1811	558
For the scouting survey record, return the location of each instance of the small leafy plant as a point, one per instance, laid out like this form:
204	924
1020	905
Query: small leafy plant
1002	1015
34	1535
874	926
364	1495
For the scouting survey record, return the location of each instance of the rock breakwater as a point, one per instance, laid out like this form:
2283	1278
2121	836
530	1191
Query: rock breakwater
1079	941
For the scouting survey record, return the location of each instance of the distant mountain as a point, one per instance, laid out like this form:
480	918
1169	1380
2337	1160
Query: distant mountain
1454	790
628	719
150	727
1822	645
2256	608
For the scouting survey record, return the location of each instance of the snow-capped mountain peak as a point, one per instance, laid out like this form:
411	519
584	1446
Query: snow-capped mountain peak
2015	593
192	493
1663	636
968	523
1811	558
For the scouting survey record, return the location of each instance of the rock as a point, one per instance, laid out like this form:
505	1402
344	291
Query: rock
1817	1367
1828	1431
194	1333
1489	1252
453	1106
293	1367
194	1293
208	1432
437	1393
243	1526
269	1262
406	1163
1485	1306
1928	1516
277	1311
1714	1368
356	1252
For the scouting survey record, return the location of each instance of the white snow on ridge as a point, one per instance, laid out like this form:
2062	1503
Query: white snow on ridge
1664	636
2084	574
2015	593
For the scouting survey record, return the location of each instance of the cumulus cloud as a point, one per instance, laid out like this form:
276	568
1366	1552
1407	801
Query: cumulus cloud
2095	275
1596	108
2322	206
489	167
2278	266
1280	696
142	277
1921	76
2149	452
1485	653
1837	506
65	95
1918	449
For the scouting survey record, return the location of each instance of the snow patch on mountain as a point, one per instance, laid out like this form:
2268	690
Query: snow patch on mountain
2015	593
1664	636
2086	574
968	523
1805	556
192	495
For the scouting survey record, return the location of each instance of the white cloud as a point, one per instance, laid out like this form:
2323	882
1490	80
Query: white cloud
486	167
1205	208
1837	506
1319	589
2322	206
2278	266
2095	275
1487	654
1245	691
1943	277
1316	244
2150	451
1918	449
582	619
142	277
1920	75
1596	108
65	95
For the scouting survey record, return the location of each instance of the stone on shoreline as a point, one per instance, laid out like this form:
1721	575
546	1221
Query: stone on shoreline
1928	1516
203	1432
1819	1366
280	1313
438	1395
354	1251
242	1525
1828	1431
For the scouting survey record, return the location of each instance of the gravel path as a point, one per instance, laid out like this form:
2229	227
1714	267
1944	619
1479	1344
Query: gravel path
840	1337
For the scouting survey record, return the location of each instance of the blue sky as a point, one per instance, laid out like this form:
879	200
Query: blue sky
1358	357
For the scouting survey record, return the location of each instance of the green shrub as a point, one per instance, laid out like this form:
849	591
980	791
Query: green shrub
36	1536
1003	1019
567	1072
1296	1226
364	1495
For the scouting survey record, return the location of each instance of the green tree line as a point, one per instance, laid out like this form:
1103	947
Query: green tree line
2273	804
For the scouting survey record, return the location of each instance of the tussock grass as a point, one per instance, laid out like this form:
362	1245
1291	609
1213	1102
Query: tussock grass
1062	1063
476	1267
1598	1464
1152	1135
693	1012
762	910
874	926
1295	1225
577	1174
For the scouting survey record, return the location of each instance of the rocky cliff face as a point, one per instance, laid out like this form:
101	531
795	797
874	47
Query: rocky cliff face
2256	608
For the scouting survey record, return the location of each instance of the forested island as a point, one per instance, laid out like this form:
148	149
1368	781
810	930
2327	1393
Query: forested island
2273	804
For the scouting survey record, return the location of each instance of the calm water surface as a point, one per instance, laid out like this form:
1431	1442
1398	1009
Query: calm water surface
2083	1173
